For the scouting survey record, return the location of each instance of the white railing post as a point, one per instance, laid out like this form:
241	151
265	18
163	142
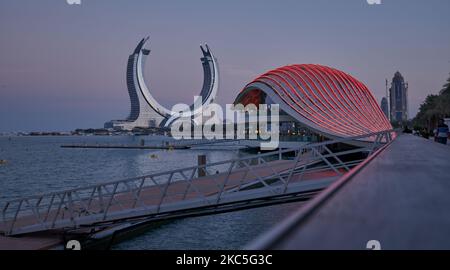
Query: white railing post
15	217
291	172
5	208
110	200
47	213
225	182
138	193
59	209
163	195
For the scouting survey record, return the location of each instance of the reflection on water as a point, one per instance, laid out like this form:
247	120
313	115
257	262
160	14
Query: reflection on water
221	231
39	165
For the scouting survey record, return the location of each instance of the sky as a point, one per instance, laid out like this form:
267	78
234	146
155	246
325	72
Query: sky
63	66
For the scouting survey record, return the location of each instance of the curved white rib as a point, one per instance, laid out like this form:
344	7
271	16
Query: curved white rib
167	113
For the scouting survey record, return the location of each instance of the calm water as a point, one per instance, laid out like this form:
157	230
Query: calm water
39	165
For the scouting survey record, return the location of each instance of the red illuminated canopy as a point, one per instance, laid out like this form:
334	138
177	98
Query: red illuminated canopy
333	101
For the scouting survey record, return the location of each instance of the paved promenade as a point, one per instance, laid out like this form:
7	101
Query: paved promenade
401	198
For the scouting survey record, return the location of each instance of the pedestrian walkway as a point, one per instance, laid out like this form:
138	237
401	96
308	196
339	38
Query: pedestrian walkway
401	199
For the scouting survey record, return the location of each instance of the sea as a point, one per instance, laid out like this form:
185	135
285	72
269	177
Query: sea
38	165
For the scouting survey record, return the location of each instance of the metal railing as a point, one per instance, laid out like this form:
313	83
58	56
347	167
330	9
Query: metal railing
273	173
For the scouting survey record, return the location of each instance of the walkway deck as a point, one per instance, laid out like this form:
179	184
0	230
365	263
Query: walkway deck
401	198
181	191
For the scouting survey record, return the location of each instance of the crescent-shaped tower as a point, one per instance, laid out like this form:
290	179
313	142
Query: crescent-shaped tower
146	111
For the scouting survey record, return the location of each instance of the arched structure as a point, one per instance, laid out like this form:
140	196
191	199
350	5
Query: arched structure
325	100
146	111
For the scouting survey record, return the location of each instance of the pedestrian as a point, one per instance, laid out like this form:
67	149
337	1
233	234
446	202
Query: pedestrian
442	132
425	133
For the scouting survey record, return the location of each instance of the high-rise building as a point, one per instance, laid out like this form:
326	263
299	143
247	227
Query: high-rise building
145	110
398	99
384	107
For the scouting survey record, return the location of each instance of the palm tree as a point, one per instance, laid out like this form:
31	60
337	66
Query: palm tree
444	100
434	108
446	88
428	112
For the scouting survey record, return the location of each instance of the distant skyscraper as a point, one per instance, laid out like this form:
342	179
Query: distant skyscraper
384	107
399	98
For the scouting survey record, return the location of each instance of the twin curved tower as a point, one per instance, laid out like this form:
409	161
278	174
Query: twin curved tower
146	111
